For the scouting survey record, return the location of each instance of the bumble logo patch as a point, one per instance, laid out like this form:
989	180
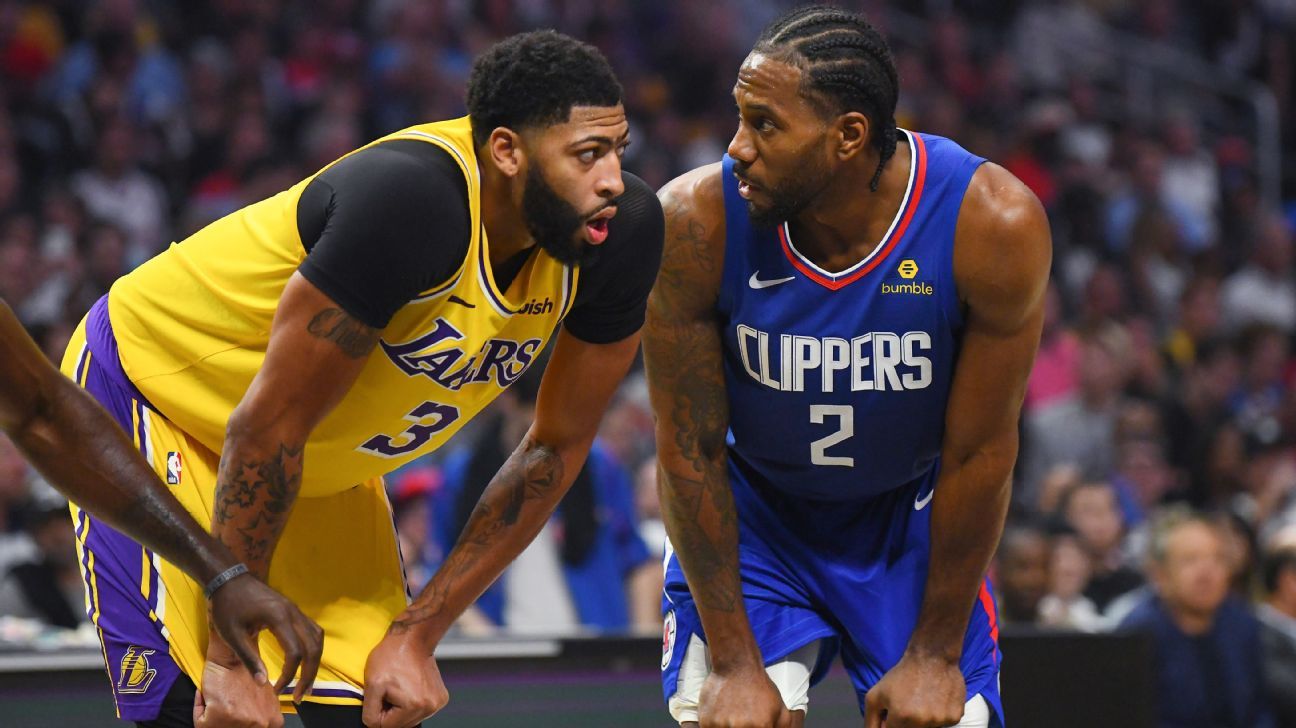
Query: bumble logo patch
136	675
908	269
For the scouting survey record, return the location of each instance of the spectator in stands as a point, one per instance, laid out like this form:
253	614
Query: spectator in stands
1257	403
1054	375
1190	177
1207	644
1197	322
410	494
588	565
46	587
1142	478
1092	511
1022	574
1146	193
116	189
1263	291
1081	428
1277	614
1065	606
1195	412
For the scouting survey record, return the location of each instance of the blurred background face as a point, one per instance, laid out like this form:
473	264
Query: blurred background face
1093	513
1199	311
1101	374
1194	574
1069	568
1023	574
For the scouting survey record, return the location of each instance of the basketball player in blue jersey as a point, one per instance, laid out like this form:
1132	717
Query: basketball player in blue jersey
837	347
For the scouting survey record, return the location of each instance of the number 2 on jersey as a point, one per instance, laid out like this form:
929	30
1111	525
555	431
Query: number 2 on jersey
845	415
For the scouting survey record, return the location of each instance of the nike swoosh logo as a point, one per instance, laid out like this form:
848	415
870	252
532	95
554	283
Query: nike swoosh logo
758	284
921	503
461	302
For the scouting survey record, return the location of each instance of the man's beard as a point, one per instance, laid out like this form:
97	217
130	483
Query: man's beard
552	221
789	196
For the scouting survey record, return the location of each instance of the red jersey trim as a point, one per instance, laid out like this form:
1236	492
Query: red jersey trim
888	244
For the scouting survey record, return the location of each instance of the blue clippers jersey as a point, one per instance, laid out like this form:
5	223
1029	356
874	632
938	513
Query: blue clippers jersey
837	383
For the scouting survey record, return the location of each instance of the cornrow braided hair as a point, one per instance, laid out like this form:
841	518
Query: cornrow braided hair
846	63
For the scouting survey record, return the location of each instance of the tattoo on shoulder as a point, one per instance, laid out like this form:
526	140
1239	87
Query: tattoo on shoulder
354	338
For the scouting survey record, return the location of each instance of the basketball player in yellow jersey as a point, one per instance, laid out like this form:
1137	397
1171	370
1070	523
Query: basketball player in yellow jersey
277	363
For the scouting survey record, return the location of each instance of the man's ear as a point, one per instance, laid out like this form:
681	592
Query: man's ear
504	149
852	134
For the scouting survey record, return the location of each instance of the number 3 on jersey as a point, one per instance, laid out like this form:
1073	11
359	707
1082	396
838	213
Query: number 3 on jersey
429	418
845	415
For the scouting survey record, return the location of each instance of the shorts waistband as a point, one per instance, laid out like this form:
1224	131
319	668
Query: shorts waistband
103	345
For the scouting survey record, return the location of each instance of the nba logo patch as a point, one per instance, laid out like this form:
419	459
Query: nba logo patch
668	638
136	675
173	468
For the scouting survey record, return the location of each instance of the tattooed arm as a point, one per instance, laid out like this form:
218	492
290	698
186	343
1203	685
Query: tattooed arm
402	683
577	386
315	354
682	353
86	456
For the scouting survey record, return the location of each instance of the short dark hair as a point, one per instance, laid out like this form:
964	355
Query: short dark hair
534	79
847	65
1275	562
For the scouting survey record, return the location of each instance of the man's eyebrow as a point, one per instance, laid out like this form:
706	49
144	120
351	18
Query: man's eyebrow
600	139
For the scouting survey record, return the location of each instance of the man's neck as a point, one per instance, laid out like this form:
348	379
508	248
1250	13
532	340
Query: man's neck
847	221
1193	624
1284	605
501	216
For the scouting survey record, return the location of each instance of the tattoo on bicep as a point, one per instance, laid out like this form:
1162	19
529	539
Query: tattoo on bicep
683	358
354	338
253	500
532	472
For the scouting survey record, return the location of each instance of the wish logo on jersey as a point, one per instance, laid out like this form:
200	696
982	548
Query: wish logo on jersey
502	360
878	360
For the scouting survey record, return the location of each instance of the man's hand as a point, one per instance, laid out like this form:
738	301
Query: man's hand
230	697
741	699
402	683
243	607
919	692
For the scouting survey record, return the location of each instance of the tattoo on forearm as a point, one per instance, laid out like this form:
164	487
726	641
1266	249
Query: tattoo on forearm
532	473
253	500
683	358
354	338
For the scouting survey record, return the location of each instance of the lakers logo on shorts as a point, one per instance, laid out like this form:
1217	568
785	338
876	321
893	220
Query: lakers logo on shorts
136	675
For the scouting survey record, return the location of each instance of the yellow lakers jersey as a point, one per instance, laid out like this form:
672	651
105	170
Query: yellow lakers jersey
193	324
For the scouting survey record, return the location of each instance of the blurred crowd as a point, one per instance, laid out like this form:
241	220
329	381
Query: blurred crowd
1157	477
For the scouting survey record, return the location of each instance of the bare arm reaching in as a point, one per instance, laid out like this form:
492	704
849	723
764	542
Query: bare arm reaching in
86	456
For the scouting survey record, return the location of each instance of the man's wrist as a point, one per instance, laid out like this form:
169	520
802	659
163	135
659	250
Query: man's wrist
935	652
423	630
224	578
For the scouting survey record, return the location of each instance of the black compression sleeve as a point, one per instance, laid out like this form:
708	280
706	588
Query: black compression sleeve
612	294
383	225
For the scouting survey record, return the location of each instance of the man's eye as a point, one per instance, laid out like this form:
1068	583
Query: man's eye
587	156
